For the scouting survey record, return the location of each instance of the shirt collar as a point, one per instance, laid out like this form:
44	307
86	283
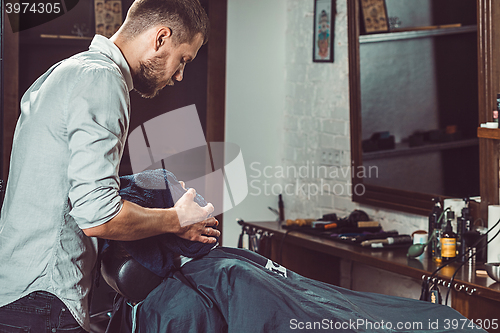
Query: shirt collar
105	46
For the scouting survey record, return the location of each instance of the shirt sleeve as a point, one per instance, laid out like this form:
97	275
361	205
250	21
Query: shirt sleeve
97	125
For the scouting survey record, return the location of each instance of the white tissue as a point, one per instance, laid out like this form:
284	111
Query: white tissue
494	246
456	206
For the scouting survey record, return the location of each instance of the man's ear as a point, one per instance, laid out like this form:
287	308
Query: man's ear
162	35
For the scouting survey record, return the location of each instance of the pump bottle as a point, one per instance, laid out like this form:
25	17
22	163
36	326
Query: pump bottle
463	226
433	221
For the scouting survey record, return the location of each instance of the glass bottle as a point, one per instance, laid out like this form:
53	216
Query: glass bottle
448	240
433	220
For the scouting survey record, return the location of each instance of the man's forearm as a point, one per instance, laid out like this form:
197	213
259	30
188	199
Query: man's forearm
135	222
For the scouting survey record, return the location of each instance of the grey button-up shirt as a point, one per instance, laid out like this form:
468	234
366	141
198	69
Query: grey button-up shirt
63	176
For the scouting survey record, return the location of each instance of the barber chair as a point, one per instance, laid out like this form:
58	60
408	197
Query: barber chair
132	283
126	276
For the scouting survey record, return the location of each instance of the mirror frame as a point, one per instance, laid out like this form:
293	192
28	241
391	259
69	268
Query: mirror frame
409	201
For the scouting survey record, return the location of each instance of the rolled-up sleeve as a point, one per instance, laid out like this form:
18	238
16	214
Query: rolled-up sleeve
97	125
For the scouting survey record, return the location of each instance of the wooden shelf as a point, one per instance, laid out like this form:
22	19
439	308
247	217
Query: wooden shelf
488	133
404	149
417	33
56	40
65	37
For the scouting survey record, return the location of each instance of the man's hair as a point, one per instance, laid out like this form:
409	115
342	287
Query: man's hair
185	18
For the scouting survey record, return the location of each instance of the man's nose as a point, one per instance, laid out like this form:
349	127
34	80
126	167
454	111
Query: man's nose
179	75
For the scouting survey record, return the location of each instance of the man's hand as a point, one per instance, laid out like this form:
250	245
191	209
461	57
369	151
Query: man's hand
186	218
189	212
201	231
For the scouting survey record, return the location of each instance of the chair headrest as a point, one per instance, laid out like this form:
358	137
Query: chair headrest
125	275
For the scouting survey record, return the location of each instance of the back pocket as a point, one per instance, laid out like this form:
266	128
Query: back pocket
4	328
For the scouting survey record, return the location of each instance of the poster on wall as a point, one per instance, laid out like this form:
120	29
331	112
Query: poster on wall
374	16
108	17
324	29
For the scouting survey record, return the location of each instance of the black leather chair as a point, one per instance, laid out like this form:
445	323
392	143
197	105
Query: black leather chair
125	275
130	280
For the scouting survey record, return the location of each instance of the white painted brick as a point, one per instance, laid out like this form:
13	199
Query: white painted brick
307	124
313	140
334	127
316	214
324	172
289	104
290	90
345	158
291	123
299	107
342	143
318	123
340	113
312	155
294	139
325	200
308	91
336	187
342	174
297	73
316	73
320	109
303	55
333	92
344	204
327	140
331	174
300	155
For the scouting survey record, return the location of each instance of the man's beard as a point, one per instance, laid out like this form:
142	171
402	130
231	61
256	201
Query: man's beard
147	81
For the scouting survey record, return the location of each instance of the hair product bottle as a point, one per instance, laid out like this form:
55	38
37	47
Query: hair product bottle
463	225
433	220
448	240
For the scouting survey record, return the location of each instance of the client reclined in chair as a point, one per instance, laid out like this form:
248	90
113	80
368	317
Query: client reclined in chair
193	287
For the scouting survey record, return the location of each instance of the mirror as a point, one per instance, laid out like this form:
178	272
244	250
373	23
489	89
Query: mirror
414	104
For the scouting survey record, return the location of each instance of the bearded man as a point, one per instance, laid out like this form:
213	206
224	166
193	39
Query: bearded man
62	191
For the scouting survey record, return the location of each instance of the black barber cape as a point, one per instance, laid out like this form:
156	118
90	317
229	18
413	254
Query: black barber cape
239	291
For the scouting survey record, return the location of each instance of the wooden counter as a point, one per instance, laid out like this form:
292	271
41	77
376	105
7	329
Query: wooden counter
476	297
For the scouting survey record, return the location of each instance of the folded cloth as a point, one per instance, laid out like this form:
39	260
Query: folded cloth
158	189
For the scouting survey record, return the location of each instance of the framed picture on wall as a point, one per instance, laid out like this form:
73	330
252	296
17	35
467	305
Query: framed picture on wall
108	16
374	16
324	30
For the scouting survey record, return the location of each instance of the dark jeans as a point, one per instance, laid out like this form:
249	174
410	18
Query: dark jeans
39	312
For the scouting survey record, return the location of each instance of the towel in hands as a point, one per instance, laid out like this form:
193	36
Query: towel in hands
159	189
